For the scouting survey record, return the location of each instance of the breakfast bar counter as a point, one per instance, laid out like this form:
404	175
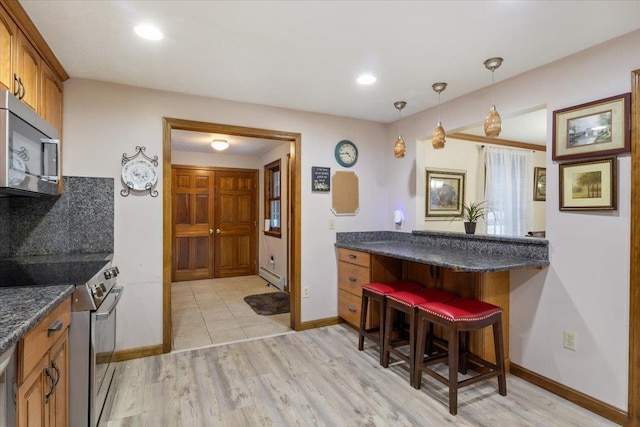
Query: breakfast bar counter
468	265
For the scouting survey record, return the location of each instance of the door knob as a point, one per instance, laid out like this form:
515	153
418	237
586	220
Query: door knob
217	231
211	231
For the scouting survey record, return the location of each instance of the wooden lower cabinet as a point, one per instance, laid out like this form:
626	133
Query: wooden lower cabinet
42	391
356	269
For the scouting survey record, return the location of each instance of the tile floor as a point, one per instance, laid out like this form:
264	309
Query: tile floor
212	311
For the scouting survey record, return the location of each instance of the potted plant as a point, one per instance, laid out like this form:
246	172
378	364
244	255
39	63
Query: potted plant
471	213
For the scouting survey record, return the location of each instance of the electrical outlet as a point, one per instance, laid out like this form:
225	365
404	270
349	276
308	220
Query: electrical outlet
332	224
570	340
306	292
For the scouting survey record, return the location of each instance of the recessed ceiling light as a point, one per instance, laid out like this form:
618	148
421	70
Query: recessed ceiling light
366	79
148	32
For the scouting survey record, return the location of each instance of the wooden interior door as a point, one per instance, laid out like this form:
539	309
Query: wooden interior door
192	223
236	226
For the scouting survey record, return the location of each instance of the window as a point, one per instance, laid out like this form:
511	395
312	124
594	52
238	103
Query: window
272	198
509	190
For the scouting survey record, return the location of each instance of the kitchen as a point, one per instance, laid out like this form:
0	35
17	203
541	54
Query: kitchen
99	127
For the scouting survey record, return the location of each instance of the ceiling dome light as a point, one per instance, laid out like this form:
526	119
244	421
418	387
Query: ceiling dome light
149	32
220	144
366	79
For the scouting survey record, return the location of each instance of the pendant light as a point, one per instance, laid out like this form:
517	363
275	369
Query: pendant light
438	135
399	148
493	122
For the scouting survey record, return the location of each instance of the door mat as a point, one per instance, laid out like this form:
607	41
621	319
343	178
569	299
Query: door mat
269	303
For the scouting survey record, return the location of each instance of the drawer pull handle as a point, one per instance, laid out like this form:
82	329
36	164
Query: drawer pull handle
352	309
352	256
352	279
55	327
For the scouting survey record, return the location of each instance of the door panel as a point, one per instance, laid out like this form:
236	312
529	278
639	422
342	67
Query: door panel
235	213
192	222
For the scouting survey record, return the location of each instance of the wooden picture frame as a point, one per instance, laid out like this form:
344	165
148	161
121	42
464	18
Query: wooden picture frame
539	184
593	129
444	193
588	185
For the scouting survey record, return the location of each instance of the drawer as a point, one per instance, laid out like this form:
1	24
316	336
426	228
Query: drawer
354	257
349	307
37	342
351	277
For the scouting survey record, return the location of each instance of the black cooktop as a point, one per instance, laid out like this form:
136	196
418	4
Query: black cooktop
66	269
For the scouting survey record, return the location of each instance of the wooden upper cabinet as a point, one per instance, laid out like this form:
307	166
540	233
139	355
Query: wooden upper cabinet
51	98
28	71
8	32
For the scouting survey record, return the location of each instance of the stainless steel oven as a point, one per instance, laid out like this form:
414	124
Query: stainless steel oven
92	344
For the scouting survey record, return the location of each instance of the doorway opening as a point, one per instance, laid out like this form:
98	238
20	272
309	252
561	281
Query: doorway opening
294	210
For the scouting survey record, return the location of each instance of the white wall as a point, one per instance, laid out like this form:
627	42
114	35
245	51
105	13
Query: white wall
271	246
104	120
586	288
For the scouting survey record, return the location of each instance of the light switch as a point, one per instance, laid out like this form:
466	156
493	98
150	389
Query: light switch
332	224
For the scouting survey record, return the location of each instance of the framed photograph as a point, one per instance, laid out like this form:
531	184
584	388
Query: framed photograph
445	193
588	185
539	184
594	129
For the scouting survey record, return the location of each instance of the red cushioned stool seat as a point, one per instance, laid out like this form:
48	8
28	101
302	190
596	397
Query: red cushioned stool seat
377	292
405	302
459	315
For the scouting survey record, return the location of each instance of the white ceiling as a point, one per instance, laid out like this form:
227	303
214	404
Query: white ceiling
306	55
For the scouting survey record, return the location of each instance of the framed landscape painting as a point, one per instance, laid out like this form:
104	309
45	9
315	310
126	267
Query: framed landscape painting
588	185
445	194
594	129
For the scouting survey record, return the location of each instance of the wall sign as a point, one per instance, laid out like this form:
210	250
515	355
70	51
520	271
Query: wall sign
320	179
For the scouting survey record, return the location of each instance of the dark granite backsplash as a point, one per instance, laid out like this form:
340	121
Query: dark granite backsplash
78	221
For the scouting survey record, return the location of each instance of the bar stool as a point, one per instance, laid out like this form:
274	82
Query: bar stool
460	315
406	302
378	292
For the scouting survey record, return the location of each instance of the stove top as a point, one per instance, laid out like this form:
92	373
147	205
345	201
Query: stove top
67	269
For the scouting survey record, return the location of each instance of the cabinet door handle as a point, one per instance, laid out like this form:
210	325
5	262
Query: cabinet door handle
352	256
55	368
55	327
352	279
352	309
24	91
53	384
17	85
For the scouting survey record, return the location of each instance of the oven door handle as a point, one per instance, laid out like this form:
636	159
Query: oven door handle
118	290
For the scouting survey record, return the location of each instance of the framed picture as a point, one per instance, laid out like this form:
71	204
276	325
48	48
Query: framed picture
539	184
594	129
588	185
445	193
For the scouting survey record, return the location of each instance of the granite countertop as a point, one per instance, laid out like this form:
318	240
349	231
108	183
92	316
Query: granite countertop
23	307
446	257
457	251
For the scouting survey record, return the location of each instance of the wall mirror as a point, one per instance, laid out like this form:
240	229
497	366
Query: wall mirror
464	150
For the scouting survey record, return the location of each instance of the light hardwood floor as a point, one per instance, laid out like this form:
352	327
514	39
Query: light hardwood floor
313	378
213	311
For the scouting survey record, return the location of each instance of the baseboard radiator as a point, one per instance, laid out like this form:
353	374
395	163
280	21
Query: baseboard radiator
272	278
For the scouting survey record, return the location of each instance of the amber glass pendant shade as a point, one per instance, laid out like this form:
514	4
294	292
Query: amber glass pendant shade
438	136
493	123
399	149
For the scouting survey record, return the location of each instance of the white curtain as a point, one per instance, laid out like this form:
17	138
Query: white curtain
509	190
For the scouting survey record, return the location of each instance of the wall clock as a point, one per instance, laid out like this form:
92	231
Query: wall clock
346	153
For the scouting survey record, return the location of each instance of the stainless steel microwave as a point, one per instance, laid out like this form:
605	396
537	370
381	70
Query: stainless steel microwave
29	150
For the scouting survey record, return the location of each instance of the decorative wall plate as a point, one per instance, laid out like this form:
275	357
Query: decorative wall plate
139	174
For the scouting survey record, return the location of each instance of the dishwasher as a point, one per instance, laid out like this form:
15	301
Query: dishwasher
7	392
